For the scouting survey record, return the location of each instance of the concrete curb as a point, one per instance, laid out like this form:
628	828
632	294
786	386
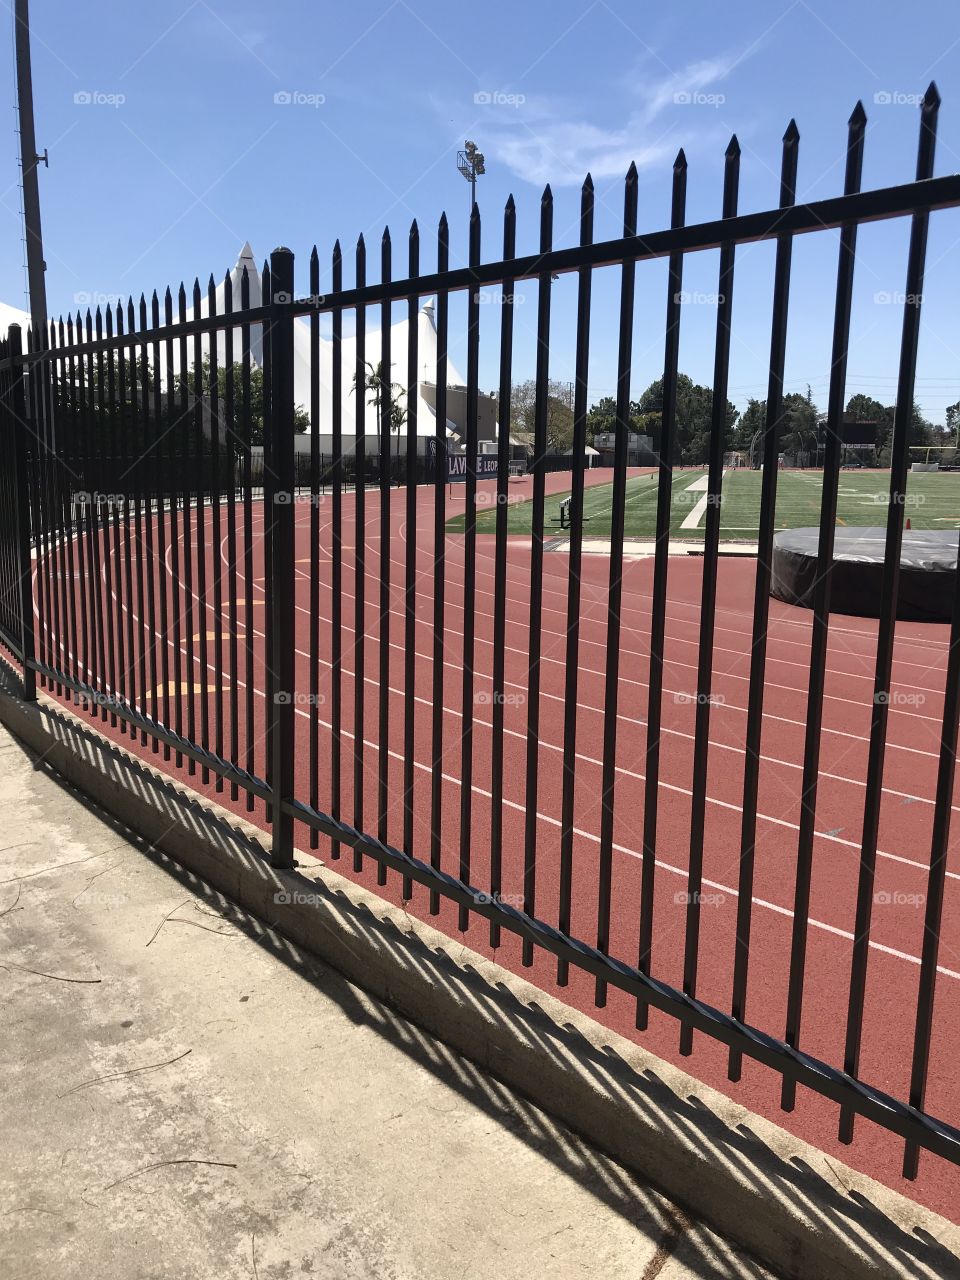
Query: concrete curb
780	1198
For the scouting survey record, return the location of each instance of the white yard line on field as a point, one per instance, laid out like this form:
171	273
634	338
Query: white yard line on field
696	515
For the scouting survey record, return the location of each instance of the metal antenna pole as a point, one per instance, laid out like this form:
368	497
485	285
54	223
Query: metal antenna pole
29	160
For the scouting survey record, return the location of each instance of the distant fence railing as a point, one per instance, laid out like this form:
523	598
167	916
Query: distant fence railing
175	614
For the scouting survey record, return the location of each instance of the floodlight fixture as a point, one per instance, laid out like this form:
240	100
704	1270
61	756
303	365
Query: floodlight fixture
471	164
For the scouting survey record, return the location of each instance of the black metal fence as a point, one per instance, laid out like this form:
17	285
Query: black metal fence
148	593
329	469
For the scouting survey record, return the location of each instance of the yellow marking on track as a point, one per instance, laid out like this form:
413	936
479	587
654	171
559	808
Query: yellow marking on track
224	635
173	689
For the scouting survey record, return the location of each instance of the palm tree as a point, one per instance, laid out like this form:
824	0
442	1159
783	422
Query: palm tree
375	382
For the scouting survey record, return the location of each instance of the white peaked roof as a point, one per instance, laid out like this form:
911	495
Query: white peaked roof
426	358
246	259
13	315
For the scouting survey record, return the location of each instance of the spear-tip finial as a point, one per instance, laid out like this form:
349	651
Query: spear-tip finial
792	134
733	148
931	99
858	116
681	161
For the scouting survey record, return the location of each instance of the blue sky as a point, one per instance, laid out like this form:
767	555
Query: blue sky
168	149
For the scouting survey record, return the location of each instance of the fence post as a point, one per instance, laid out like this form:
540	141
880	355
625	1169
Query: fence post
18	442
280	515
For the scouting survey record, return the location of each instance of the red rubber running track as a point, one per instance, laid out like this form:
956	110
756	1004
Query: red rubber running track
906	818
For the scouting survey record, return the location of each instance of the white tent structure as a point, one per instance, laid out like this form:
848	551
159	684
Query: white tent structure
13	315
424	391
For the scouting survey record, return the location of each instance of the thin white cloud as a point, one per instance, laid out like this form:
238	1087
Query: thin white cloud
540	140
563	152
696	78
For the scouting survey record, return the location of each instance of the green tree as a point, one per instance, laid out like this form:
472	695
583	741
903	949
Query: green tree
863	408
559	423
134	380
694	418
747	436
919	432
648	424
799	432
184	384
601	418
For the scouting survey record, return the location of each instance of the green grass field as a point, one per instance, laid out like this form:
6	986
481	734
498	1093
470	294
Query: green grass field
932	502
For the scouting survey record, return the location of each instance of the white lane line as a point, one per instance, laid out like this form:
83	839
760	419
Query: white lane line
637	776
631	853
727	706
699	511
398	561
621	717
836	629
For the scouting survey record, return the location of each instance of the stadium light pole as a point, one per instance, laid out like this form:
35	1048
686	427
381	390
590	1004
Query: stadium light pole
470	162
29	161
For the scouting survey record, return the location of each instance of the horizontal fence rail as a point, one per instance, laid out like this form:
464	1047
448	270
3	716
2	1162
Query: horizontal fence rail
821	215
337	639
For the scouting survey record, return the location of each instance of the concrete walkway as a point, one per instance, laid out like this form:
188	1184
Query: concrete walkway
187	1095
